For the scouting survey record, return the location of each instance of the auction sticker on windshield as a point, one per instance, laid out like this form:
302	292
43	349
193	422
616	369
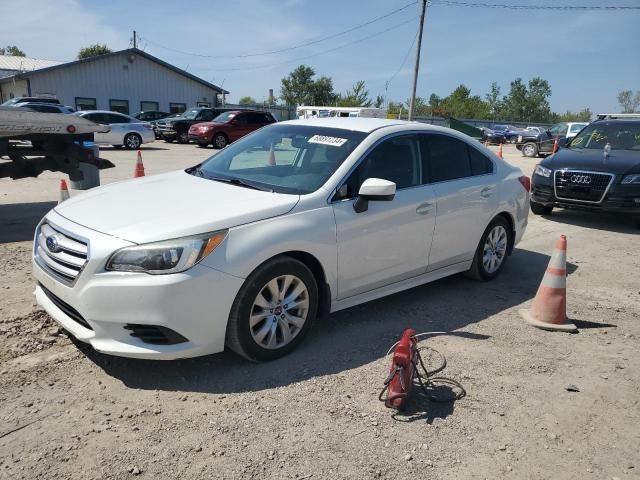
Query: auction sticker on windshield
324	140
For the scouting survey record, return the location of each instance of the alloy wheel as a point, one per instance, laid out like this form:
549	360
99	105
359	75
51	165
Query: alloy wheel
495	249
279	312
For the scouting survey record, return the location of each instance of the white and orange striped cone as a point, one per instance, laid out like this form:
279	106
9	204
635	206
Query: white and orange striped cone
272	156
500	151
139	170
64	192
555	145
549	308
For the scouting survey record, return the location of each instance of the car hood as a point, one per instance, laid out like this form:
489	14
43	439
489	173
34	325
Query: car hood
618	162
171	205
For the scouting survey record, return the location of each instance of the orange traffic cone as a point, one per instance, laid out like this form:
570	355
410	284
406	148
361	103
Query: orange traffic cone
555	145
500	151
272	156
139	171
549	308
64	192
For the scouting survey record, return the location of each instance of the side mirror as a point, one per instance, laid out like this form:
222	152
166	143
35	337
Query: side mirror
374	190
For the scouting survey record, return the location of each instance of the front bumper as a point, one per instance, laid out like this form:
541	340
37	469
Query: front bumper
164	132
195	304
618	199
200	137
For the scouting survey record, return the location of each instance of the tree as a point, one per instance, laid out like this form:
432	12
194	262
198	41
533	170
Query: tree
358	96
528	103
247	101
493	101
93	51
629	102
297	88
322	92
379	102
271	100
12	50
583	115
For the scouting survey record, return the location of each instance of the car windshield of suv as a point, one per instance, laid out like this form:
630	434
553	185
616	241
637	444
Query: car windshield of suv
621	137
190	114
295	159
225	117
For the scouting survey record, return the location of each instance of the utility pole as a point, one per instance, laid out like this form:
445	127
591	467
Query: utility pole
135	40
417	65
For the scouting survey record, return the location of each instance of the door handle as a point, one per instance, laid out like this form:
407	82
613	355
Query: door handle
424	208
486	192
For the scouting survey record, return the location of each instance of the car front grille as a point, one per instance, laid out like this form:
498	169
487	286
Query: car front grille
67	309
60	255
582	186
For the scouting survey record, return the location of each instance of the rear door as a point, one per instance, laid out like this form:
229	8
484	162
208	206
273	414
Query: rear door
241	126
390	241
119	127
99	117
465	184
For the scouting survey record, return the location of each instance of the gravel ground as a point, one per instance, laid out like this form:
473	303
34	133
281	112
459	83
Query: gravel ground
67	412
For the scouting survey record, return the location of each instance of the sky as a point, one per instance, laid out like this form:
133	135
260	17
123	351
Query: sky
587	56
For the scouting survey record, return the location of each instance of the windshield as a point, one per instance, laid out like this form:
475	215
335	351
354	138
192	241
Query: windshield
289	158
225	117
189	114
621	137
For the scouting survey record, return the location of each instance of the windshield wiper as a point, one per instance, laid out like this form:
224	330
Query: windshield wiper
240	183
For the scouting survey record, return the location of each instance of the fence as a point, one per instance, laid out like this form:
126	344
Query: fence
280	112
443	122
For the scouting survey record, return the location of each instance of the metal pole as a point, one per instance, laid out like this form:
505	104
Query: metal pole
417	65
135	40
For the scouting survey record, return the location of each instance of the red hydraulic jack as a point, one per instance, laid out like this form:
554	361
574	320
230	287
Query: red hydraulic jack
407	366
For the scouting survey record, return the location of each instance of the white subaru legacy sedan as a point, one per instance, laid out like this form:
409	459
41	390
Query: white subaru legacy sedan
249	248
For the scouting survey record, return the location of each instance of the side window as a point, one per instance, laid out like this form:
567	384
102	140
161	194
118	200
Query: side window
480	164
206	115
575	128
115	118
396	159
96	117
242	119
448	158
255	118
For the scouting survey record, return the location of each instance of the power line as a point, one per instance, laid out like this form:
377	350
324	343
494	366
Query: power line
406	57
360	40
295	47
455	3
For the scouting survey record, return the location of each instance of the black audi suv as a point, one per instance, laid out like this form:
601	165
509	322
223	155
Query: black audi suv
599	169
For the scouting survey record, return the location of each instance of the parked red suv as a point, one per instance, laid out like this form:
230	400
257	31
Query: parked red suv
229	126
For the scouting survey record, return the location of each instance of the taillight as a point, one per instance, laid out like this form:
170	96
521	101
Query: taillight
148	126
526	182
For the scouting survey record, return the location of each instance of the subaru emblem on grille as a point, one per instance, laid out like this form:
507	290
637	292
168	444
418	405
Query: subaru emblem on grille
581	179
53	244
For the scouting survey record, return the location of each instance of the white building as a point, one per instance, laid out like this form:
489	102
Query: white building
126	81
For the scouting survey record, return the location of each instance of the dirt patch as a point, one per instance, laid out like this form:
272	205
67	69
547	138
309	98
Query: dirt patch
27	334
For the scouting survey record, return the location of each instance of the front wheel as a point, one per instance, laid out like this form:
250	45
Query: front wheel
273	310
530	150
492	251
183	137
539	209
132	141
220	140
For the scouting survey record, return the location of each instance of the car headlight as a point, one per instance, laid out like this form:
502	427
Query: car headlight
631	178
542	171
170	256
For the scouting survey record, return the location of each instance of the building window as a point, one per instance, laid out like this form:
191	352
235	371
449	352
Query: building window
177	107
120	106
83	103
149	106
203	104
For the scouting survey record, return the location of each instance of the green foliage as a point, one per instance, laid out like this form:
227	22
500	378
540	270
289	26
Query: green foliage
379	102
12	50
93	51
247	101
300	88
629	102
583	115
494	102
358	96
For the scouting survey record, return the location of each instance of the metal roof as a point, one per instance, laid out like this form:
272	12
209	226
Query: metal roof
22	64
121	52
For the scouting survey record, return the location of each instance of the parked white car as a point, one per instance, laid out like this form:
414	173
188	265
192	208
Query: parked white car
288	223
125	130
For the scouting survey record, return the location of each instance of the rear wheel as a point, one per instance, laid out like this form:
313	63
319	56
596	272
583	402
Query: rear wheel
491	254
183	137
273	310
539	209
132	141
530	150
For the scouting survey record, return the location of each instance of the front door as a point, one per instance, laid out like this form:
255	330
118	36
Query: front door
390	241
465	184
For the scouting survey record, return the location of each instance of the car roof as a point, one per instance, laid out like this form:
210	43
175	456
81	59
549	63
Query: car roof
101	111
360	124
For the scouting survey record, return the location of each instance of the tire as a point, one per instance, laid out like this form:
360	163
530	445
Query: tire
530	150
183	137
202	144
220	140
486	270
539	209
132	141
260	341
